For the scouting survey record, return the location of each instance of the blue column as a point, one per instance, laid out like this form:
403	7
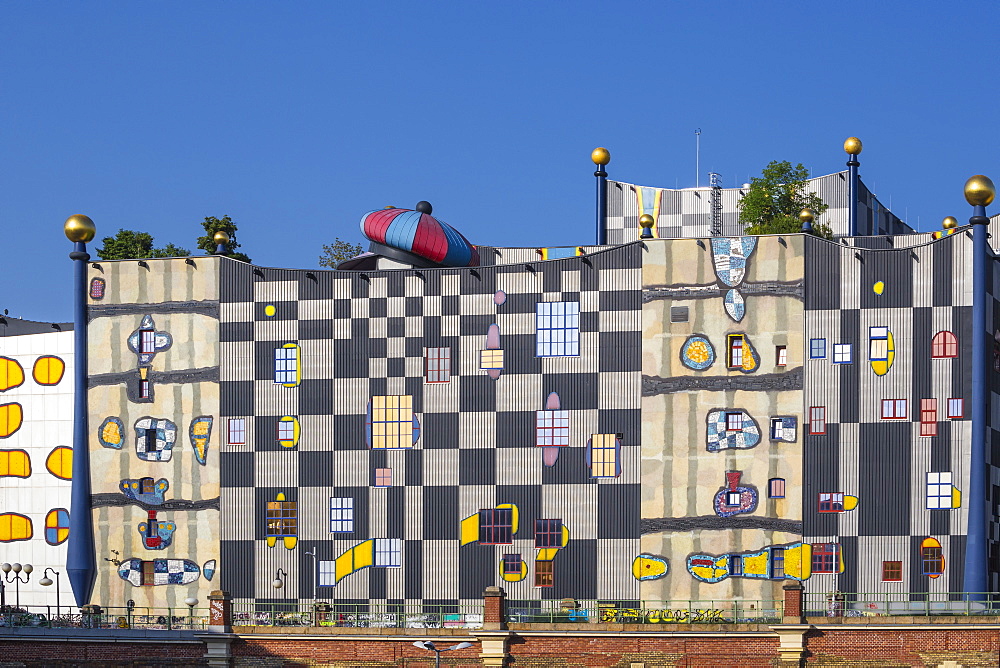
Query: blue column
853	165
602	205
81	560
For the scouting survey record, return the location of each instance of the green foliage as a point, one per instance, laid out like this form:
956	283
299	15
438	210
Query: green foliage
775	198
340	250
129	244
212	225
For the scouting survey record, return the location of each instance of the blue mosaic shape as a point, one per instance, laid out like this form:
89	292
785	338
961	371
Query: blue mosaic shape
697	352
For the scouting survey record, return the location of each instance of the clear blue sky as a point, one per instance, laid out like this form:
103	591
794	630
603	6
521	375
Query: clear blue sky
297	117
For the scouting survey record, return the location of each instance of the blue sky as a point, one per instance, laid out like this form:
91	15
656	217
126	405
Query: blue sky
295	118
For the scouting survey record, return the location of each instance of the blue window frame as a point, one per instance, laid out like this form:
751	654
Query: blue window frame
286	365
842	353
817	349
557	329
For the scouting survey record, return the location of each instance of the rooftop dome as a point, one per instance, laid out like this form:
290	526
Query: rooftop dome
419	233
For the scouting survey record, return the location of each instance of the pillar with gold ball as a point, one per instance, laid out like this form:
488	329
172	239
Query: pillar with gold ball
979	192
646	223
601	157
81	558
852	146
221	239
807	217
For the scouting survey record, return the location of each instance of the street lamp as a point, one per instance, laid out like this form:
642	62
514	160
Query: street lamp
315	576
47	582
279	579
428	645
17	569
190	603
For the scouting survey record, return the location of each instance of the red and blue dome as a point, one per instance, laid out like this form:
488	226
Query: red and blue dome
417	232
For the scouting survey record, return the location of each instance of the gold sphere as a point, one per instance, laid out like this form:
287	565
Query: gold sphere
979	190
79	228
807	215
852	146
646	220
600	156
221	237
949	222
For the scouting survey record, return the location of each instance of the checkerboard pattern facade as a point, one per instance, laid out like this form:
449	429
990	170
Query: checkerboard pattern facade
362	336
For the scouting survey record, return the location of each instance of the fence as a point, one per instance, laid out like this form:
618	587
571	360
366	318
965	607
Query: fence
359	615
645	612
916	604
49	616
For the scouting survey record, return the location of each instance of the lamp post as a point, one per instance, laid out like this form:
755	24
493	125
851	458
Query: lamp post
979	192
428	645
315	575
190	603
47	582
81	558
17	570
601	157
852	147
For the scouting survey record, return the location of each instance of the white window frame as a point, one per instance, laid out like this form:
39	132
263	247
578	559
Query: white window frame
236	431
817	349
777	428
781	355
557	329
388	552
327	573
286	365
341	514
842	353
147	341
938	493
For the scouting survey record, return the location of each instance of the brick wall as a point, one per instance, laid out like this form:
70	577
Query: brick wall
28	651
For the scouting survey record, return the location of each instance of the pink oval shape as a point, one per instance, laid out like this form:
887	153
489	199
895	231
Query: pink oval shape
500	297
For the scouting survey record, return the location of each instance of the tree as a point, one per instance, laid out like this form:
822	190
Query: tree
207	241
775	198
340	250
129	244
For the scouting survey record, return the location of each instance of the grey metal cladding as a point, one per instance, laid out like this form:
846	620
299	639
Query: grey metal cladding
821	473
895	268
884	451
822	271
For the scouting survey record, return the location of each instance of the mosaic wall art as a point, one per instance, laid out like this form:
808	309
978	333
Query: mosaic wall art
731	429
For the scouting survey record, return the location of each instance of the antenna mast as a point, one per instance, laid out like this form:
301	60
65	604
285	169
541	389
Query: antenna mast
697	157
715	180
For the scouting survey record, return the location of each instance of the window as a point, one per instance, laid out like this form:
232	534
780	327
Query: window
286	430
604	452
144	389
781	355
282	518
679	314
496	526
490	359
878	344
817	420
894	409
831	502
97	288
776	488
954	409
147	341
734	498
944	345
286	365
783	429
341	514
237	431
842	353
146	485
734	421
512	564
557	327
543	573
149	442
892	571
931	560
825	557
148	573
939	491
736	564
817	348
437	365
548	533
383	477
551	428
734	351
777	563
928	417
388	552
327	573
391	423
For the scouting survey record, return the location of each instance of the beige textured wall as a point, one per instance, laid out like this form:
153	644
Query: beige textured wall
680	477
195	345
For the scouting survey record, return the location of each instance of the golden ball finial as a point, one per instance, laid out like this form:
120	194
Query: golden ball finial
949	222
979	190
221	237
600	156
807	215
646	220
852	146
79	228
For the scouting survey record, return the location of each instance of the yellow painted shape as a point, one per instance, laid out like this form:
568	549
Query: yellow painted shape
547	554
271	541
11	374
280	497
52	522
850	502
707	572
298	365
343	565
14	527
749	363
756	564
112	433
295	432
270	310
514	577
290	542
565	535
364	554
11	416
878	287
15	463
48	370
643	567
513	516
798	561
933	542
956	497
881	367
469	529
60	462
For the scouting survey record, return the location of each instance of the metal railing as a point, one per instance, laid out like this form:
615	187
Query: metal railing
359	615
49	616
885	604
646	612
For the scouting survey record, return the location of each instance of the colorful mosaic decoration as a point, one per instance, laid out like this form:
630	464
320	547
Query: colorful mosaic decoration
735	306
793	562
145	490
158	572
784	429
200	433
145	342
734	499
97	286
730	255
111	433
649	567
56	526
697	353
154	439
208	569
156	534
732	429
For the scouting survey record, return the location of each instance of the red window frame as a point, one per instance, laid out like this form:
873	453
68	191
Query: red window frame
548	533
442	374
825	557
544	573
512	564
960	404
781	355
817	420
892	571
496	526
147	341
894	412
143	389
928	417
733	350
833	504
944	345
730	417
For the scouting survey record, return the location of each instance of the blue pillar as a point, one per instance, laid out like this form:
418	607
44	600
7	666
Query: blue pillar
601	157
81	559
853	165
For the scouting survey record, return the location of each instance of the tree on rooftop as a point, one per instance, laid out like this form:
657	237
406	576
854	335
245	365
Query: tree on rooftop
129	244
340	250
212	225
775	198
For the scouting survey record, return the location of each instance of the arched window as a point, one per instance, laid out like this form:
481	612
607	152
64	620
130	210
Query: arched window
943	345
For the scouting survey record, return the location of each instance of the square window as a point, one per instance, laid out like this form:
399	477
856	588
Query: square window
842	353
543	573
939	491
892	571
341	514
512	564
437	365
781	355
734	421
894	409
490	359
496	526
557	329
734	351
817	420
777	563
733	498
831	502
390	422
604	456
388	552
282	518
817	349
383	477
825	557
551	428
955	409
237	431
286	430
548	533
776	488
